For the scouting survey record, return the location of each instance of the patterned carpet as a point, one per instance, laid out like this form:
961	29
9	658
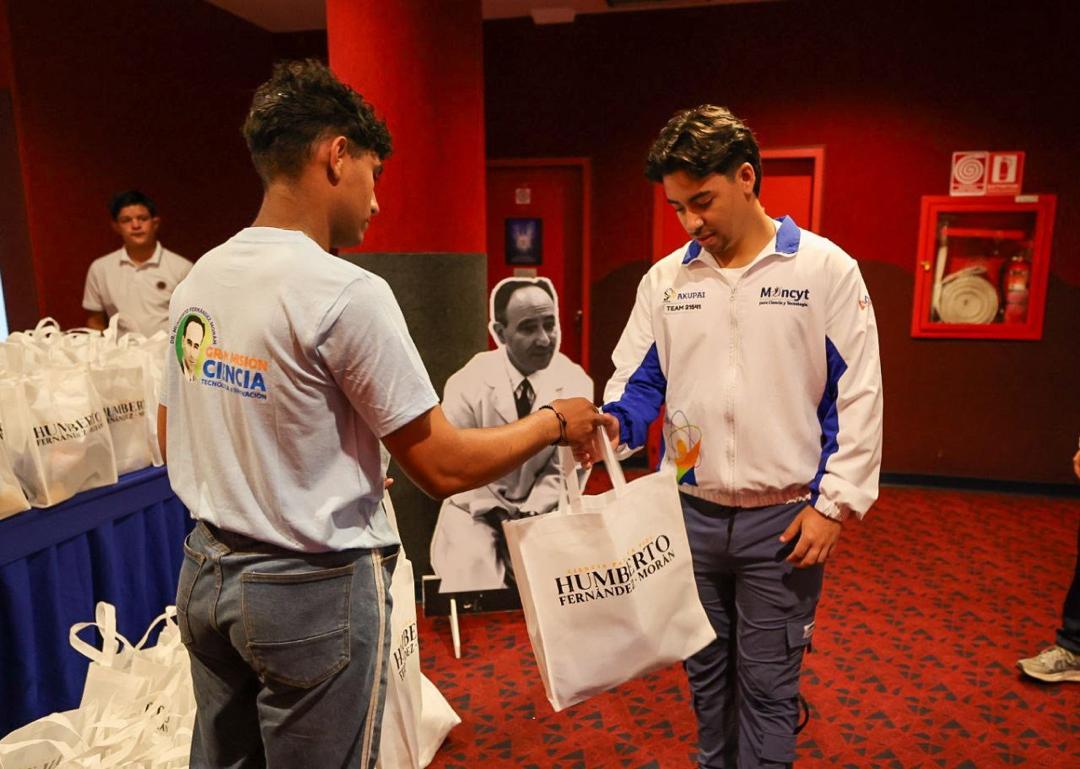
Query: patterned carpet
927	606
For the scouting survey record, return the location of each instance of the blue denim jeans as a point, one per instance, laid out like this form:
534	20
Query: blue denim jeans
745	684
1068	635
288	651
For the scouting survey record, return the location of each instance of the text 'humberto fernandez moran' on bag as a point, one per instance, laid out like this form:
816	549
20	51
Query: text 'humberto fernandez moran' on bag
607	584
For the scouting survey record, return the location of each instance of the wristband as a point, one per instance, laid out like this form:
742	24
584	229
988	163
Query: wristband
562	425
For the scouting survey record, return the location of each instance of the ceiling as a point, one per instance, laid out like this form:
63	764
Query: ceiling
303	15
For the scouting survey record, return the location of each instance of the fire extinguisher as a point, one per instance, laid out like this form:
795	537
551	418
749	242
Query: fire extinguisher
1015	281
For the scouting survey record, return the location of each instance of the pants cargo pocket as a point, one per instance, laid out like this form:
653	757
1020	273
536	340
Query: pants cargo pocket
800	632
777	748
297	624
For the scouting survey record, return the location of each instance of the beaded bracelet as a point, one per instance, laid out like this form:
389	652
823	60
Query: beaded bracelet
562	425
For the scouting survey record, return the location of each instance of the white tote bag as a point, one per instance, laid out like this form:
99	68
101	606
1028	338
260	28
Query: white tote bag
137	710
123	399
19	443
44	743
69	448
607	584
12	499
416	717
148	354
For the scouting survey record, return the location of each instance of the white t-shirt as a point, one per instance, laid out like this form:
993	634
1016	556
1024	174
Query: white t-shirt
139	292
287	365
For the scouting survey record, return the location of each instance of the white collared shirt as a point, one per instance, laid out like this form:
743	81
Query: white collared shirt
516	378
139	292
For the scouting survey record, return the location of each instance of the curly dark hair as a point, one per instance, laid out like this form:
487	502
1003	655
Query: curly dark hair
702	141
301	103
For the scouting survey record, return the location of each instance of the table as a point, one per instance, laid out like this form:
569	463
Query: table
120	544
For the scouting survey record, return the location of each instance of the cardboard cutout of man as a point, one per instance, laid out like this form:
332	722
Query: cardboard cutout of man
468	548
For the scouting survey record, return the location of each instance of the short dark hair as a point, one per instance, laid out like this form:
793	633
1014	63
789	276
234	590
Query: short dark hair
193	318
507	289
301	103
122	200
702	141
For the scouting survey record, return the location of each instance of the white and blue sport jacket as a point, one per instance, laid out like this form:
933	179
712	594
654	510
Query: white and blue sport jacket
770	378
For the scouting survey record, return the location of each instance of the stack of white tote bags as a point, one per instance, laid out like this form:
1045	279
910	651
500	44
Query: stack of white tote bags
77	409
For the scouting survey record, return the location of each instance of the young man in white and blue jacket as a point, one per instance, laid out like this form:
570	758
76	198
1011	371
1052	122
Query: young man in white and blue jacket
759	340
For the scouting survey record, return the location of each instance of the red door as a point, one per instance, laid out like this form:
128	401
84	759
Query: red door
548	198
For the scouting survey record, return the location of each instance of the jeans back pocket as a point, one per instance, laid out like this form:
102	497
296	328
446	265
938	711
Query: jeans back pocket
297	623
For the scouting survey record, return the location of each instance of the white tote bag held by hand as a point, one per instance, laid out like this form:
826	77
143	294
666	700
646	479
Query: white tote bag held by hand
607	584
416	717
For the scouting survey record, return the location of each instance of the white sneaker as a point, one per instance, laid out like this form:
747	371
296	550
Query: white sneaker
1052	664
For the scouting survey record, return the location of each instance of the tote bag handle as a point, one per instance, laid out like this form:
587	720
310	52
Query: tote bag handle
571	487
112	641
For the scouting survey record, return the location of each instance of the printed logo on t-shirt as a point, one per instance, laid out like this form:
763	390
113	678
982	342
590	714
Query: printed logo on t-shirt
203	362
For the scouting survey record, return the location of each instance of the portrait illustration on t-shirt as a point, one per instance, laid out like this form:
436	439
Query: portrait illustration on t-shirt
194	335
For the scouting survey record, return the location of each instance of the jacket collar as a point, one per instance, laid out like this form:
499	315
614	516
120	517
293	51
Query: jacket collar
788	236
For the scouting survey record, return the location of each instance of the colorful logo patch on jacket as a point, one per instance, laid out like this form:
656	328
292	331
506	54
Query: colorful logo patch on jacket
684	442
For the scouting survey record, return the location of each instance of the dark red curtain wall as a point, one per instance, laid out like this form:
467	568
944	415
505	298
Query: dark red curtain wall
890	91
5	49
130	94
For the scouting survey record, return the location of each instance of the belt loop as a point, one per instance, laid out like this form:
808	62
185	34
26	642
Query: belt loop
214	543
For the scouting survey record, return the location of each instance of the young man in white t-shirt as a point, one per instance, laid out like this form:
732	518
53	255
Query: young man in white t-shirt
138	278
273	417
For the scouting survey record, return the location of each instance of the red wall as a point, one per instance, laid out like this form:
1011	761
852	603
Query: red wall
890	91
5	49
420	64
130	94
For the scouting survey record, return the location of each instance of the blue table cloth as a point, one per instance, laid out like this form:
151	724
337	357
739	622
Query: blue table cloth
120	544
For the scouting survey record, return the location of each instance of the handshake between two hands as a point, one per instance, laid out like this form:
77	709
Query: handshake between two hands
585	429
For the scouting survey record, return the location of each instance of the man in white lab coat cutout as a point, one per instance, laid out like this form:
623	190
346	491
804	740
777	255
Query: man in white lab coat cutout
526	371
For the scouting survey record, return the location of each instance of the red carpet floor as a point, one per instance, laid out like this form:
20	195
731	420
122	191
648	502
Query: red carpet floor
927	606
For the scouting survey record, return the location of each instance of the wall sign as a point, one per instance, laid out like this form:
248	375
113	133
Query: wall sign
524	241
978	172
